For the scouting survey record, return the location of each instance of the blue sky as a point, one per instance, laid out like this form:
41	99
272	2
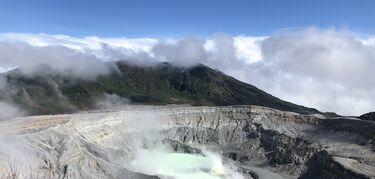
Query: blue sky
320	63
164	18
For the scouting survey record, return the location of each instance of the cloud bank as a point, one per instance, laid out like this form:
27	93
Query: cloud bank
328	69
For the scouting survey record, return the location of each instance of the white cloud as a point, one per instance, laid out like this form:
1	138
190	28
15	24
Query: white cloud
210	45
188	51
323	68
31	60
91	42
248	48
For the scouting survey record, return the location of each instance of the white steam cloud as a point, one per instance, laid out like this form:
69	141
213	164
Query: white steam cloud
328	69
183	165
8	111
110	101
149	152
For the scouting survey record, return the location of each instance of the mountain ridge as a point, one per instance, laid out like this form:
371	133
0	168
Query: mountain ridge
164	83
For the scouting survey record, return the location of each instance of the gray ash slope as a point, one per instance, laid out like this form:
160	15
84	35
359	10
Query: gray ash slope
259	141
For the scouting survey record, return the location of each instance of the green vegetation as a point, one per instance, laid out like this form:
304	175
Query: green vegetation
161	84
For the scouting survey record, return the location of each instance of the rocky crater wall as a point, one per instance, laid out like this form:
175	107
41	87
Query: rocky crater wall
258	140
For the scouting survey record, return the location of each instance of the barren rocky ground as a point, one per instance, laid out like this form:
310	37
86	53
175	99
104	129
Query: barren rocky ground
257	142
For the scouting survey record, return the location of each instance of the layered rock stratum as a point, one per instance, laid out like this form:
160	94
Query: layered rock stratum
257	142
